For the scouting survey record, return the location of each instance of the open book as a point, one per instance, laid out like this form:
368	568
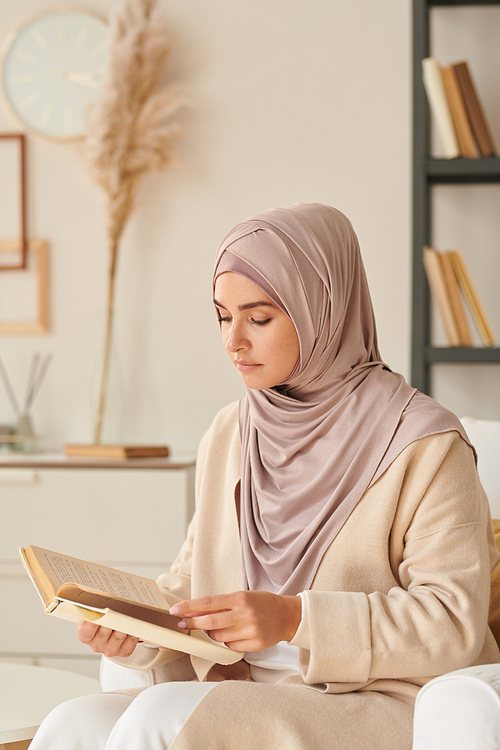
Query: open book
80	591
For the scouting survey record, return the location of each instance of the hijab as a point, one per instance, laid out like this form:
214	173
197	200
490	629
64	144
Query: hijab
312	445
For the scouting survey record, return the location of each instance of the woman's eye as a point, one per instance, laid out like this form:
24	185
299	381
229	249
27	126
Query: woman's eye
223	320
260	322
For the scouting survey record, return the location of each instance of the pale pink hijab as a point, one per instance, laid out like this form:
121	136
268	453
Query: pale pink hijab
313	445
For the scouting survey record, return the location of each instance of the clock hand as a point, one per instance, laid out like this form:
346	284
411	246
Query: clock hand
86	79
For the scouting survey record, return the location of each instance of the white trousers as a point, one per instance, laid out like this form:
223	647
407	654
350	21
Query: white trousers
111	721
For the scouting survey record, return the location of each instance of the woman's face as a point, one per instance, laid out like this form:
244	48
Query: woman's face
260	339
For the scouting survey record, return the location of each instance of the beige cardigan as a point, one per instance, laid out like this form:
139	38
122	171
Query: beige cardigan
400	596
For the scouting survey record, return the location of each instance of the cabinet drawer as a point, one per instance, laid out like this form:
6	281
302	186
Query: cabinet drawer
107	515
27	629
24	626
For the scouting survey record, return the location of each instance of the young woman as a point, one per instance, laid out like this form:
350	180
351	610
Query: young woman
341	538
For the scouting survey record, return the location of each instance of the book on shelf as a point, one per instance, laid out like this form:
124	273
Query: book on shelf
474	109
438	104
80	591
451	284
456	109
463	130
457	305
439	290
474	303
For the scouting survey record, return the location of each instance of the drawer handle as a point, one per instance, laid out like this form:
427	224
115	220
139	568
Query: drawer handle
18	476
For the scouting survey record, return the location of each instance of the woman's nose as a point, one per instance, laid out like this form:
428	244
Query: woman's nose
235	340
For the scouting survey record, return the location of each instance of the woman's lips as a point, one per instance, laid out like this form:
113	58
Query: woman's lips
243	366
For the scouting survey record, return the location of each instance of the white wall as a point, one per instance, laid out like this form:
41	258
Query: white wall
293	101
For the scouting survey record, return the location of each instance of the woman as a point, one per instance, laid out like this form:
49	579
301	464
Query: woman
341	538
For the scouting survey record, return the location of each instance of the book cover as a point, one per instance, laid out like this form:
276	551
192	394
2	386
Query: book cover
474	109
438	103
439	291
457	304
469	291
456	104
89	450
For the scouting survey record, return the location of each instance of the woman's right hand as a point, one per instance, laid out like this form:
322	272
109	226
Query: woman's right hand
106	641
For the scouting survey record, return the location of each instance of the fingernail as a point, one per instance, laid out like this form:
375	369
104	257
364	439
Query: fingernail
174	610
182	624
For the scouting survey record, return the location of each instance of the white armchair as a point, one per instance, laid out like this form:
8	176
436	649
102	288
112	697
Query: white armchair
461	710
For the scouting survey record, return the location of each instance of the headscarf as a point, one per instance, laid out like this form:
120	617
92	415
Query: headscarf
312	445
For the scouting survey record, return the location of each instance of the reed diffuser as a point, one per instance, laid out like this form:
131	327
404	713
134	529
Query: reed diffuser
23	436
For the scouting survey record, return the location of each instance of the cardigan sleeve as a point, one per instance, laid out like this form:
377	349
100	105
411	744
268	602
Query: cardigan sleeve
434	619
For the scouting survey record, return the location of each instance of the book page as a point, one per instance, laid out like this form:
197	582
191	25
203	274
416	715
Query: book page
61	569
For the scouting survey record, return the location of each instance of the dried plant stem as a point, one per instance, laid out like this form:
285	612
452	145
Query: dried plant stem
120	205
108	339
131	132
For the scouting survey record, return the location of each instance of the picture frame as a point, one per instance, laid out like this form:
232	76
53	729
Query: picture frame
15	165
39	250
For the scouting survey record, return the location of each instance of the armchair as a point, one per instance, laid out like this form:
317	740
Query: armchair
461	710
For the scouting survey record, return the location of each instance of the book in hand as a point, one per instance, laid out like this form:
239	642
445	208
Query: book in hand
79	591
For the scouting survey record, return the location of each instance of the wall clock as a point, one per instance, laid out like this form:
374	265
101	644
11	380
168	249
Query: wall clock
52	67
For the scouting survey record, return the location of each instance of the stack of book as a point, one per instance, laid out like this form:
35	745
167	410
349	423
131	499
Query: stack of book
456	109
453	290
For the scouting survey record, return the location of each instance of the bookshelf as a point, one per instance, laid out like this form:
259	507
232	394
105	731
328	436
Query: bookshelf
427	172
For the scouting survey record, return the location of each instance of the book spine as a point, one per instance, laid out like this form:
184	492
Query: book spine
439	291
438	104
475	306
457	305
458	113
474	110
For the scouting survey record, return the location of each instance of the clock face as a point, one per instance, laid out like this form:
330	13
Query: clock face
52	69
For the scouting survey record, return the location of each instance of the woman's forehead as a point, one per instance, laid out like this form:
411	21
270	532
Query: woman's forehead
233	287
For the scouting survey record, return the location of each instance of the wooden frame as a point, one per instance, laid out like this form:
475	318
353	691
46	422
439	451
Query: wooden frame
39	248
22	242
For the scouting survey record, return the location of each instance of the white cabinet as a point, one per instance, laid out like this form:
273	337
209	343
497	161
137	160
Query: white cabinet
131	515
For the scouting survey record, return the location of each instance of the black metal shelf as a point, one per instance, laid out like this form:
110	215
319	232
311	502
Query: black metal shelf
435	3
428	171
480	170
462	354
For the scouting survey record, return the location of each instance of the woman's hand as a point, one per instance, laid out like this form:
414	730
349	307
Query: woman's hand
244	620
106	641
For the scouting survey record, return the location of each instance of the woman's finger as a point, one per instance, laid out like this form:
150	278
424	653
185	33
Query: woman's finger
86	631
106	641
203	605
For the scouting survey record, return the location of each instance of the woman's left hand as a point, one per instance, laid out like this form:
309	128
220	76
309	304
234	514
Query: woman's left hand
243	620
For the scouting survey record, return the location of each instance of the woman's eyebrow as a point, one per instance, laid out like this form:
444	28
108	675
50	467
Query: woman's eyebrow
248	305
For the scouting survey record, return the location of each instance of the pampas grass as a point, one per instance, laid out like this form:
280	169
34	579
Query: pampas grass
131	131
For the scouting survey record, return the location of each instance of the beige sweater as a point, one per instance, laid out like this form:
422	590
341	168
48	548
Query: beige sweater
400	596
